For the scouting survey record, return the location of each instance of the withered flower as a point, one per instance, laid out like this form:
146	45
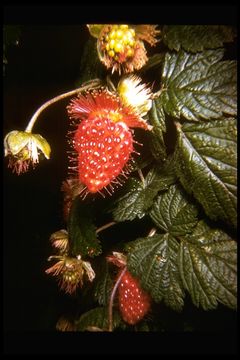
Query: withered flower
23	148
70	271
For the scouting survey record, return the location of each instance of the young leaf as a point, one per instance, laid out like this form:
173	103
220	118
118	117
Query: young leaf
173	212
157	119
104	285
97	318
140	196
194	38
153	260
82	231
206	162
208	267
198	85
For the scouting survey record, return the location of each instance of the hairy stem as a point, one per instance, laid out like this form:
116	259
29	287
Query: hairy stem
105	226
93	83
113	293
141	176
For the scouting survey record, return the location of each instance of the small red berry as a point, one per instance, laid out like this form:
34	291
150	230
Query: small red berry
134	302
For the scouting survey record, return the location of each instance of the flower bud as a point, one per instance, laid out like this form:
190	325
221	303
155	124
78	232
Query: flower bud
135	94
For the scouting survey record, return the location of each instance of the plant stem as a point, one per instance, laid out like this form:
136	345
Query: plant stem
105	226
152	232
141	176
93	83
113	293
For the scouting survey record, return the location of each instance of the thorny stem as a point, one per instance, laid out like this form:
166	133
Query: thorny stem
93	83
105	226
113	293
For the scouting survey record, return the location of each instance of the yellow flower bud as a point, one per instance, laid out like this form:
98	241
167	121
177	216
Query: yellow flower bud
123	27
111	44
118	47
111	53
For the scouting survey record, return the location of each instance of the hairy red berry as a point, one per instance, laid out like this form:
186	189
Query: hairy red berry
103	141
134	302
103	148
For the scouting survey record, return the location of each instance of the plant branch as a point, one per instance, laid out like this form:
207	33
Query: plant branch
93	83
105	226
113	293
141	177
152	232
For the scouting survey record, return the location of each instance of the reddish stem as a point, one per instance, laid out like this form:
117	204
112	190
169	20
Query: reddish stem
113	293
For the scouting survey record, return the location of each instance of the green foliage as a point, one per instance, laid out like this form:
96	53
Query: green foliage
104	285
206	162
157	120
140	195
197	86
208	267
154	261
173	212
194	38
82	231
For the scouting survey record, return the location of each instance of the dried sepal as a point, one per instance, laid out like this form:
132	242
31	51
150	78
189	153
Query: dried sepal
59	240
70	272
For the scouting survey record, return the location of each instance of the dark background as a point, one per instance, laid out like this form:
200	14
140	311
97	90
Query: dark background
44	64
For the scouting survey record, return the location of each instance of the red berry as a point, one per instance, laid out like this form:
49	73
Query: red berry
134	302
103	148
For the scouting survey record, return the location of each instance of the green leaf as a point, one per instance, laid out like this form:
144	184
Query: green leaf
196	38
206	162
153	261
139	197
90	66
82	231
199	86
208	267
98	318
104	285
173	212
157	120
